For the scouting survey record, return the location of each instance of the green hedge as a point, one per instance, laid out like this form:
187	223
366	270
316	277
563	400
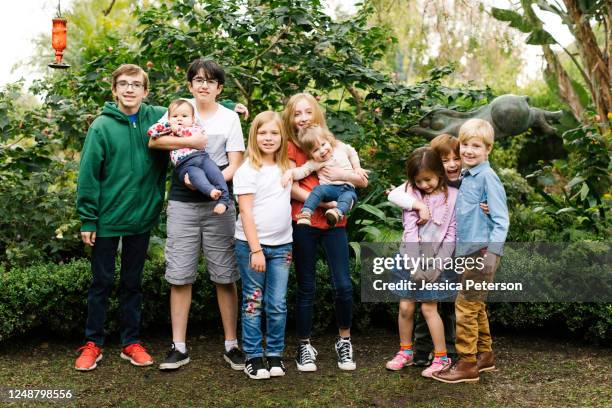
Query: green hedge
53	298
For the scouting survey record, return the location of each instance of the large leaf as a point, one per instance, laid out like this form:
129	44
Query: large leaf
374	211
548	6
584	191
575	180
357	248
540	37
515	19
373	232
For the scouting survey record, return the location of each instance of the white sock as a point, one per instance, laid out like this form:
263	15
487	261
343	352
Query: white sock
230	344
180	347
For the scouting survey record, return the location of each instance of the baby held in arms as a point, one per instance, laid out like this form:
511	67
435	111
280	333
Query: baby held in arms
323	149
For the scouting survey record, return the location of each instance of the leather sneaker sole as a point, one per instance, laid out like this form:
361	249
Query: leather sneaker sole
460	380
489	368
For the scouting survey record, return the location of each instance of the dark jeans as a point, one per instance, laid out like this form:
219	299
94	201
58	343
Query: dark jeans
204	174
344	194
134	250
335	245
422	337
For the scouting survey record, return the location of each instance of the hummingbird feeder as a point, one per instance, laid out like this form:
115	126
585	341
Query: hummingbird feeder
58	40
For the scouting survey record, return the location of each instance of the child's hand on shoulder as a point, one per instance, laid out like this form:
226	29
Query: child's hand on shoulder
287	178
389	190
242	110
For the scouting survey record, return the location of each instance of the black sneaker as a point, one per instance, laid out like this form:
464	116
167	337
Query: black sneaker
276	366
256	369
422	358
235	357
174	360
344	349
306	357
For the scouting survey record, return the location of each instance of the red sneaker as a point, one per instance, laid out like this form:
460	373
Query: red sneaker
137	355
90	355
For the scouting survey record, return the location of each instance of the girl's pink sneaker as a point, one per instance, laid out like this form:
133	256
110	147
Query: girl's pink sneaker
400	361
437	364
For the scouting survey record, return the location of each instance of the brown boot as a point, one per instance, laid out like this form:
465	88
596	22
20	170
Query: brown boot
485	361
461	371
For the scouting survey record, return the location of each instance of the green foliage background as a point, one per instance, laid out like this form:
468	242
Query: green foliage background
271	50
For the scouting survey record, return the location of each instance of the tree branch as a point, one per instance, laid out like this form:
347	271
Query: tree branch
108	10
272	44
358	101
241	88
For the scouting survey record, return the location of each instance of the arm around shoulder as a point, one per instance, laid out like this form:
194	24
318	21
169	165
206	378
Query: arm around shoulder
402	197
498	212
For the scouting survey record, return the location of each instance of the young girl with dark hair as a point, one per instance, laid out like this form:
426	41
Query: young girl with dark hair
435	239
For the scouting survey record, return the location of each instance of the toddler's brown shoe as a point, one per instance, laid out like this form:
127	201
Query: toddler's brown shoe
333	216
303	218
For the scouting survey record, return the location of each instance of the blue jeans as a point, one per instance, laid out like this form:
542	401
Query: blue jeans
204	174
133	253
335	245
268	288
344	194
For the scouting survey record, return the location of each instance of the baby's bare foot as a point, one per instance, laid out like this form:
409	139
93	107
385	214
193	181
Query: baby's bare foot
215	194
219	209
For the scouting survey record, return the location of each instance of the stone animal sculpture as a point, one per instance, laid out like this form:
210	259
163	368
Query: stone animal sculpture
509	114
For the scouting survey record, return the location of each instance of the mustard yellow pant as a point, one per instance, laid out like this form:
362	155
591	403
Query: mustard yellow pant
472	331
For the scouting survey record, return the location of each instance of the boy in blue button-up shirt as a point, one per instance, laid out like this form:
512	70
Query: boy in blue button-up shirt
480	237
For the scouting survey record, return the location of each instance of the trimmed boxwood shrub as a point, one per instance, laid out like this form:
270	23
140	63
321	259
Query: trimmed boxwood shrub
53	298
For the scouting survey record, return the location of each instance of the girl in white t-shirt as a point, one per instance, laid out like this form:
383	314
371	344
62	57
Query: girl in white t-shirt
263	244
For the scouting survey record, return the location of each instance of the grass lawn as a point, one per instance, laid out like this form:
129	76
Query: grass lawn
531	372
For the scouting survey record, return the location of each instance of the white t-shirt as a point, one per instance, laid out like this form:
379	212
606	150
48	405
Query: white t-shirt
271	205
223	131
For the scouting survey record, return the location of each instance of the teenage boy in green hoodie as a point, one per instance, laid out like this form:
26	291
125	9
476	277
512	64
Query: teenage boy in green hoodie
120	192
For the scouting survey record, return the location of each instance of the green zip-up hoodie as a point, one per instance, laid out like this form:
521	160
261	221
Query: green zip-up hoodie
121	182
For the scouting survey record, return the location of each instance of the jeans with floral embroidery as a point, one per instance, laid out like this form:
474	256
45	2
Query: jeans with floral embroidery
264	291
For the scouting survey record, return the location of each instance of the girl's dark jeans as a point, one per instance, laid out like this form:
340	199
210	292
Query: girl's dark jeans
334	242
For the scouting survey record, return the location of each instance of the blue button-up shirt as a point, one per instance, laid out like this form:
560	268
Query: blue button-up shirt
475	229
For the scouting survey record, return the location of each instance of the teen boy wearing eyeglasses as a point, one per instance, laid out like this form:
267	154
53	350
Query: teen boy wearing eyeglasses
120	192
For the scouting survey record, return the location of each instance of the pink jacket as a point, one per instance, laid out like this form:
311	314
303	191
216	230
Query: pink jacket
447	226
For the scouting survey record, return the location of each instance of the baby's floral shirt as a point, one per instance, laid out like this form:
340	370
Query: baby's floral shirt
163	129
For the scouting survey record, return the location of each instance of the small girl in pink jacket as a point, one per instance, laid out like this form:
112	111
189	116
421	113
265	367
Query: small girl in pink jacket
434	242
